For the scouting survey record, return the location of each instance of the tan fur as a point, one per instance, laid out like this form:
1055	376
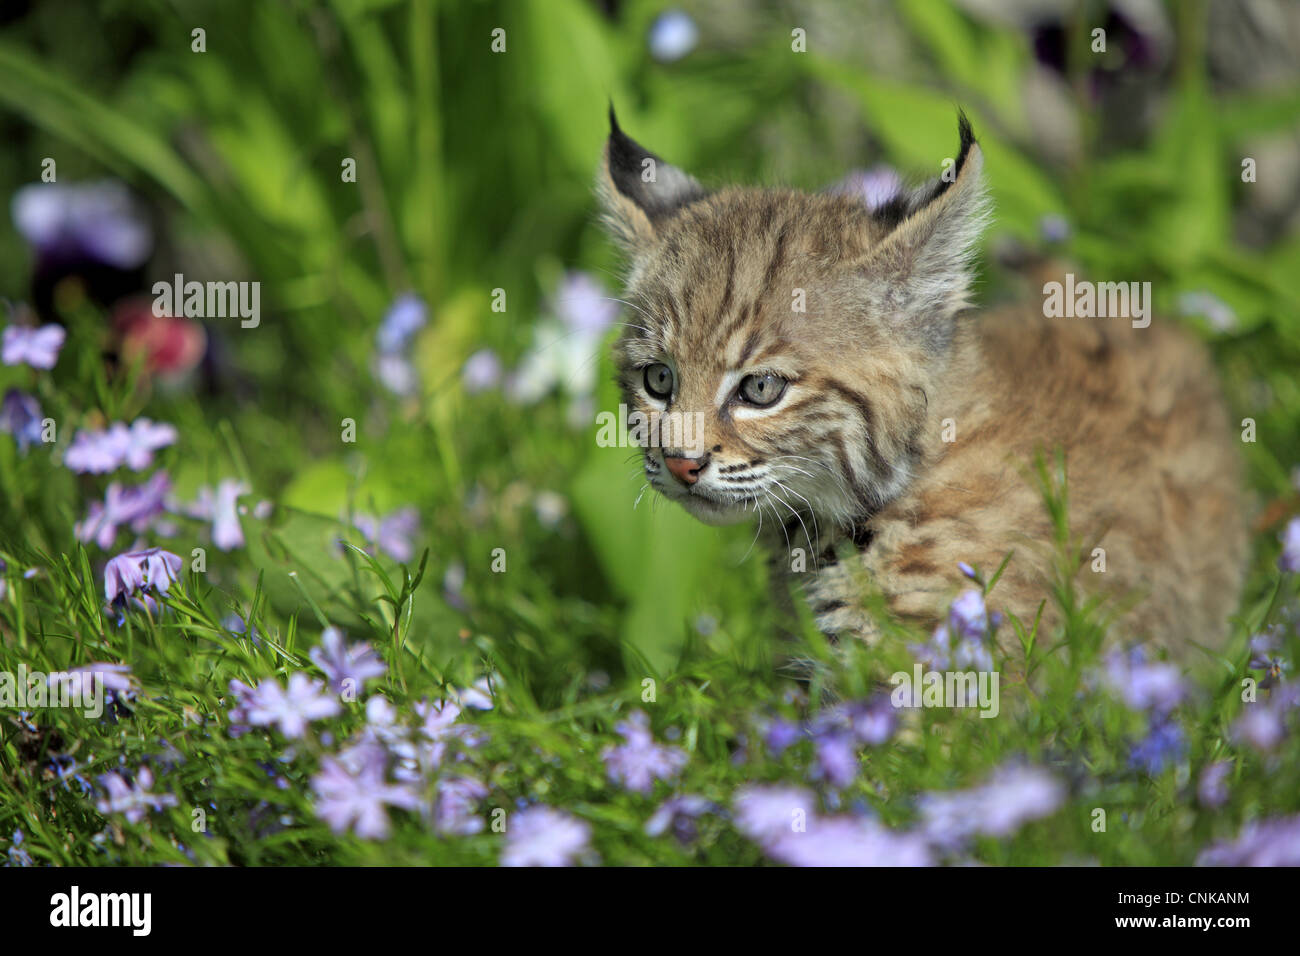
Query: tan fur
878	361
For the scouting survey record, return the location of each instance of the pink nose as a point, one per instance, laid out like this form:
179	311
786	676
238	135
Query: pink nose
685	470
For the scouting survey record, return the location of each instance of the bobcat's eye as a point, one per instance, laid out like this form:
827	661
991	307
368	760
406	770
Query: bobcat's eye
659	380
762	389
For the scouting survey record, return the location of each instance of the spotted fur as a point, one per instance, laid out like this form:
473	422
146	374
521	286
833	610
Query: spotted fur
878	361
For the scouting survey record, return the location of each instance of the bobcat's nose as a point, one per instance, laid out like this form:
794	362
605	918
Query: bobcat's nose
686	470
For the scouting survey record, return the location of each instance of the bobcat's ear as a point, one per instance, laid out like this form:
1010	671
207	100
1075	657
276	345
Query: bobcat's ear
638	189
921	269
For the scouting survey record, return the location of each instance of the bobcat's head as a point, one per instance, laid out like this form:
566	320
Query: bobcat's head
792	338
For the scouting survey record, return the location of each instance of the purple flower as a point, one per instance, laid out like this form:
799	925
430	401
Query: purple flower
291	708
137	571
541	836
1054	228
1162	747
357	799
395	373
99	452
38	348
672	35
874	722
117	680
845	841
221	507
1261	843
132	800
1289	559
875	186
20	416
1261	726
780	735
342	664
240	694
135	507
639	762
968	617
679	813
1212	788
1217	312
482	371
458	797
17	855
478	696
765	812
837	758
1011	798
91	222
583	306
393	533
1156	687
405	317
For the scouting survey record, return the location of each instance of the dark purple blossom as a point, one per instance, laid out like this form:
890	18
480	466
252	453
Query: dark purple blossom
134	573
93	223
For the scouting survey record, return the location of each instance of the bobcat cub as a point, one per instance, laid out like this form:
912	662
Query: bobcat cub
839	393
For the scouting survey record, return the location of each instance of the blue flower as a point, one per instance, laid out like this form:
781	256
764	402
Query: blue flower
1162	747
405	317
1289	560
20	416
672	35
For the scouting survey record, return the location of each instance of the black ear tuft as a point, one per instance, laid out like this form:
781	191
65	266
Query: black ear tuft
903	205
657	188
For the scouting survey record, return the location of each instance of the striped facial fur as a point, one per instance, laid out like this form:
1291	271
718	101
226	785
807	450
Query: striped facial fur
801	334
